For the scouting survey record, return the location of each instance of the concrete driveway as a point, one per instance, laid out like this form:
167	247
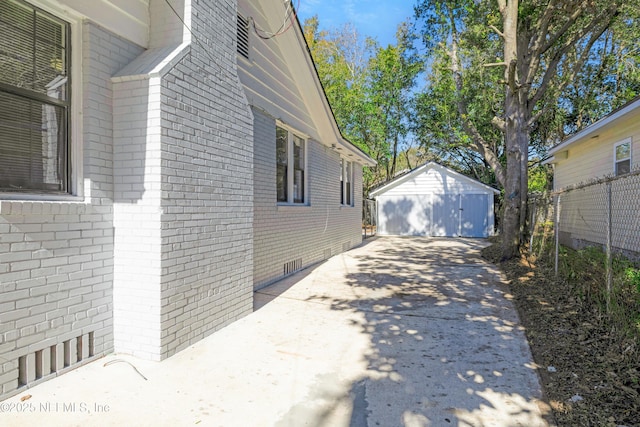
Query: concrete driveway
397	332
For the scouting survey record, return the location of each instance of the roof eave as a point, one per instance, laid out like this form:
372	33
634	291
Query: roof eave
597	126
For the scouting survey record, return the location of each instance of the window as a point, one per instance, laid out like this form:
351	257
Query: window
298	169
290	181
243	36
282	159
34	100
346	179
622	157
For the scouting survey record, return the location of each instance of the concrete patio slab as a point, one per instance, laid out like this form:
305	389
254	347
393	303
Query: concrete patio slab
397	332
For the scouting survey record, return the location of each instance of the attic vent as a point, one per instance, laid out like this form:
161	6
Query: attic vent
243	36
292	266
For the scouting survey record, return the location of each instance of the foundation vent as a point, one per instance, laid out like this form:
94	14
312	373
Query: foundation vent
49	360
292	266
327	253
346	246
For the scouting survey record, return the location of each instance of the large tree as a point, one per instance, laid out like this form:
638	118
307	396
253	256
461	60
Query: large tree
391	74
534	50
369	89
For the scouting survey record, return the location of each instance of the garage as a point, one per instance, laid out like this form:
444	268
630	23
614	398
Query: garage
433	200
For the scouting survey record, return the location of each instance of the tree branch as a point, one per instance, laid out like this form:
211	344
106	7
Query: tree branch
502	5
482	147
551	70
538	48
534	118
493	27
499	123
543	27
496	64
553	38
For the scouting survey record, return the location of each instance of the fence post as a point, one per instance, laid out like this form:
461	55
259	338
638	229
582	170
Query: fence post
557	231
609	266
532	225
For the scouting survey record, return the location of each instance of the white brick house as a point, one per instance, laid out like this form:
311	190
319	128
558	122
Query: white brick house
151	176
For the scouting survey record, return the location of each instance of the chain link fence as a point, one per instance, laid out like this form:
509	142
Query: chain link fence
604	213
369	218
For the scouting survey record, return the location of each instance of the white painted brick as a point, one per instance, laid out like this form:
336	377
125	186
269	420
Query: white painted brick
57	355
37	246
282	234
45	361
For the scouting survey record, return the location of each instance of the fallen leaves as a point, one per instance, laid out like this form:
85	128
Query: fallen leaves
595	377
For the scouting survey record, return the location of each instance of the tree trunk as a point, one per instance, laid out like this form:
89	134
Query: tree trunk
513	187
516	135
394	156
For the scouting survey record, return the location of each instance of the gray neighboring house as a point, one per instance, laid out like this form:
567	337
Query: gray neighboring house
157	164
433	200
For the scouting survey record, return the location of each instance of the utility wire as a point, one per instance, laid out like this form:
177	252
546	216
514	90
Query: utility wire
287	22
191	31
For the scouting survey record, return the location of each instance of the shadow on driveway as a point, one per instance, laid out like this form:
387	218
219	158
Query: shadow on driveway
444	343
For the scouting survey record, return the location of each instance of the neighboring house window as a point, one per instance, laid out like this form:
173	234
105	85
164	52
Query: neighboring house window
346	180
622	157
243	36
290	167
34	100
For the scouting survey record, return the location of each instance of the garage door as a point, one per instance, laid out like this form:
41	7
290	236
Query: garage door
445	215
473	215
404	215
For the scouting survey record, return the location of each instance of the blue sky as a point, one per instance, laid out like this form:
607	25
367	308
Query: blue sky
374	18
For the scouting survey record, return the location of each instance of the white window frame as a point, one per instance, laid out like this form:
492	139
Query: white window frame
616	160
291	134
346	182
76	188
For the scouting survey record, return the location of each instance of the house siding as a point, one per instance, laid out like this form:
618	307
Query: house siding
593	157
268	80
56	258
176	213
434	181
583	211
311	233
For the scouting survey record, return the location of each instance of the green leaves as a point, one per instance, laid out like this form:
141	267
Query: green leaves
369	89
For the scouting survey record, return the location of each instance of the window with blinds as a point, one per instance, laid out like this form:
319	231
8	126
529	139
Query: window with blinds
34	99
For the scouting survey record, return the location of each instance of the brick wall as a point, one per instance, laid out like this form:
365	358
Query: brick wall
288	233
56	258
207	186
184	189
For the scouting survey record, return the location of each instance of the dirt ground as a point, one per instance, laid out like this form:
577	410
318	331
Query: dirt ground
590	370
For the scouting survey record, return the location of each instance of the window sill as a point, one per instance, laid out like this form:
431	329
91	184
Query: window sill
347	206
293	207
38	205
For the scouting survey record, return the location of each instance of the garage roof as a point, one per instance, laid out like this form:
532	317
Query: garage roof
422	169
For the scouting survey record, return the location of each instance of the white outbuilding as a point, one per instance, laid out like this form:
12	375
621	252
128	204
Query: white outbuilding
433	200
